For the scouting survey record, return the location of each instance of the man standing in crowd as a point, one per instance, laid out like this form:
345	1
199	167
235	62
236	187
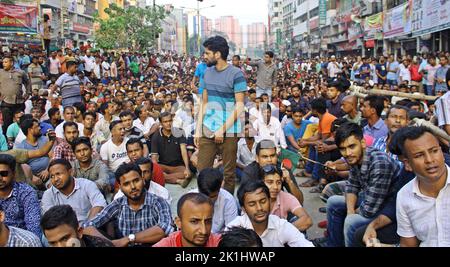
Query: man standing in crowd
11	91
216	132
267	74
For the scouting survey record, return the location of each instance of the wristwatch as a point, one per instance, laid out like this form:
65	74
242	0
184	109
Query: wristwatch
132	238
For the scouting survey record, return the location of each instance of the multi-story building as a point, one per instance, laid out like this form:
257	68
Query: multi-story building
73	21
288	9
256	39
230	26
275	24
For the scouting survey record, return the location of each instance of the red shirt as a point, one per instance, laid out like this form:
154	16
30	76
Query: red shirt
174	240
158	174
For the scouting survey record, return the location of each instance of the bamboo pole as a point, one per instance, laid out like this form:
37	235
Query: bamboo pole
433	128
359	89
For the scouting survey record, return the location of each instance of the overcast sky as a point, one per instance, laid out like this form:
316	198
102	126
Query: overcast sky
247	11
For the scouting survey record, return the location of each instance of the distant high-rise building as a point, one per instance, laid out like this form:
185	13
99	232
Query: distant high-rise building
275	25
230	27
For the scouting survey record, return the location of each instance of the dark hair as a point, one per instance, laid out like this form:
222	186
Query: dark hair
375	102
126	113
68	107
69	124
397	145
8	160
251	91
80	107
27	124
269	53
265	144
346	130
133	141
320	105
237	57
296	109
196	198
51	112
209	181
138	111
335	83
89	113
64	162
398	107
337	123
298	86
143	161
163	115
218	44
81	140
126	168
59	215
113	124
71	63
249	187
240	237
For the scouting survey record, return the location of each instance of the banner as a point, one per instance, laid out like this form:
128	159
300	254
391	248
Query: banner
397	21
373	27
18	19
322	12
430	16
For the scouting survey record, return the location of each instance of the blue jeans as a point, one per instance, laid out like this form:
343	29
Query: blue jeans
260	91
429	90
311	167
342	227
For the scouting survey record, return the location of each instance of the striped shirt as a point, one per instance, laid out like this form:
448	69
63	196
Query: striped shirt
70	89
373	180
443	109
221	87
154	212
22	238
381	145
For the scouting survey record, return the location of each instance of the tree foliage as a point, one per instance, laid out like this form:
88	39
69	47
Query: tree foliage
133	27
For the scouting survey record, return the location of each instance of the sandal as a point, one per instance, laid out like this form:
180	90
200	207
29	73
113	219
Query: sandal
184	183
309	183
315	190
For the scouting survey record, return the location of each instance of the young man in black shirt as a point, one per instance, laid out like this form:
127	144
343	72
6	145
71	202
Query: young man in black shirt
169	150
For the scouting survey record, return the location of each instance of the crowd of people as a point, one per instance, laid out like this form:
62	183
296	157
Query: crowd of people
90	139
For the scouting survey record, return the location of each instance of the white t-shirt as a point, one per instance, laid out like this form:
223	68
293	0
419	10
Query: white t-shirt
60	129
114	155
89	63
54	66
404	73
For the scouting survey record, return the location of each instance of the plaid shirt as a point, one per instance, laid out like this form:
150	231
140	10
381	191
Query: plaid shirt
22	238
374	179
154	212
63	150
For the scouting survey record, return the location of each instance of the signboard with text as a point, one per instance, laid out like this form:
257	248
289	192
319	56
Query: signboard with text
322	12
18	19
397	21
430	16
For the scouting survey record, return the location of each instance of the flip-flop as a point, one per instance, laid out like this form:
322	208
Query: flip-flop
309	183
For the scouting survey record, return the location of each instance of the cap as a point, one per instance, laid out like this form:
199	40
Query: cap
285	102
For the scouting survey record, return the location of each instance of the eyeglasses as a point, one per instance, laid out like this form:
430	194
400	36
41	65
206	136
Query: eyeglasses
4	173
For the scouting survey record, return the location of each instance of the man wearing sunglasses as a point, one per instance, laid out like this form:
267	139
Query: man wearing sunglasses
266	154
19	201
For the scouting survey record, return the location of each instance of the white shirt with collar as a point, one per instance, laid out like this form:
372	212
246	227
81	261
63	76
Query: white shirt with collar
83	198
272	131
59	130
424	217
244	155
279	232
146	126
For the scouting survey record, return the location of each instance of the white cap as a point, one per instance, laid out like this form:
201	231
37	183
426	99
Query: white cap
286	103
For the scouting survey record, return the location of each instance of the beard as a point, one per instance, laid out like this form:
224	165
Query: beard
211	63
134	198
